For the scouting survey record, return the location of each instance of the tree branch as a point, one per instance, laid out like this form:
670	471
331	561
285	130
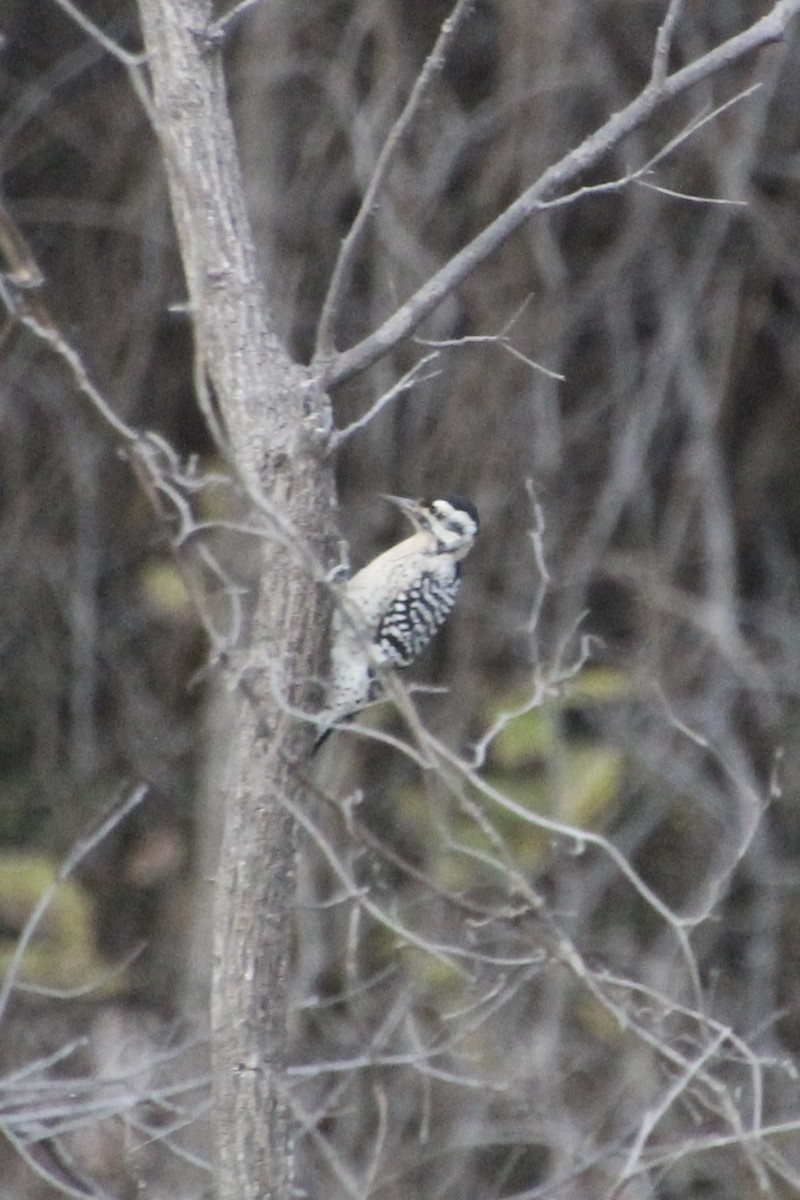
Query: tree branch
770	28
344	262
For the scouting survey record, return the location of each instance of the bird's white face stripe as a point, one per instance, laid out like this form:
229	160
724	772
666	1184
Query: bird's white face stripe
453	527
445	511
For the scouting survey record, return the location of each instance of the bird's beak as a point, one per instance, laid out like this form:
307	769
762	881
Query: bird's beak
411	508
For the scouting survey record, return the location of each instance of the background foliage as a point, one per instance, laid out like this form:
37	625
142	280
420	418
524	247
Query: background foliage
617	389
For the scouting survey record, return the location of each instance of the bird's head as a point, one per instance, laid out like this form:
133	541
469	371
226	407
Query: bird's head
452	521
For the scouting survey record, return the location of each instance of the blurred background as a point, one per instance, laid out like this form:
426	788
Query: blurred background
619	393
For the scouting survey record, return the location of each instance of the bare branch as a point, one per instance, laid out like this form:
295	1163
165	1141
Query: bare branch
652	1116
673	195
404	320
80	850
344	261
106	43
500	339
220	27
411	378
638	175
666	31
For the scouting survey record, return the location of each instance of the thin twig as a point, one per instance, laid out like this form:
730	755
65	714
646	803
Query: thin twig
344	261
638	174
500	339
370	1175
770	28
411	378
664	37
80	850
103	40
220	27
48	333
653	1115
58	1182
673	195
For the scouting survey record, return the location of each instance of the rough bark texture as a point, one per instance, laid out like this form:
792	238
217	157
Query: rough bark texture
274	421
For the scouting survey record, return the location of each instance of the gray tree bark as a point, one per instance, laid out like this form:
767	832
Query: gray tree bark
276	423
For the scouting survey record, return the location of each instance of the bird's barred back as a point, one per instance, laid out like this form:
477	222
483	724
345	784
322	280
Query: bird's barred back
414	617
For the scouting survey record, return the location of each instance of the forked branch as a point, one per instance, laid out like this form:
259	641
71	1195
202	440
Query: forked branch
659	91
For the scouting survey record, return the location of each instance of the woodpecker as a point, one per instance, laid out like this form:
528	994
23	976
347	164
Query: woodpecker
394	605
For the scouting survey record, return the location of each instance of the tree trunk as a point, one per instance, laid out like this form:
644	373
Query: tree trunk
275	422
